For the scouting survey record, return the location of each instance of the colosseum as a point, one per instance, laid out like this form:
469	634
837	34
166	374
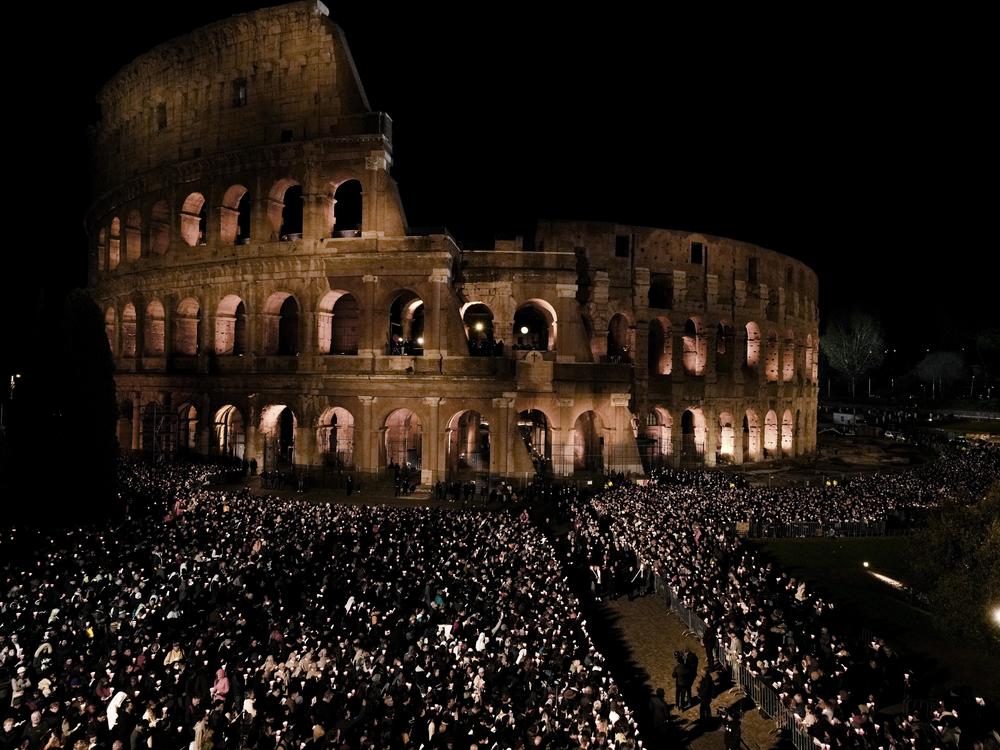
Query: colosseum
265	297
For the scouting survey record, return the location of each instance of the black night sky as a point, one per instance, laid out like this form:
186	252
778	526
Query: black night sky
859	145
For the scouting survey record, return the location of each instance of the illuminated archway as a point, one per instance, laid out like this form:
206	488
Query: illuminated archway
478	321
194	220
588	443
338	320
277	428
154	329
468	443
404	437
187	428
619	343
231	327
186	324
335	437
770	434
692	434
406	324
695	347
660	352
533	429
280	325
535	325
229	433
655	444
753	344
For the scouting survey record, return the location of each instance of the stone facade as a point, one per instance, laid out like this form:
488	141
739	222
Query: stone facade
264	298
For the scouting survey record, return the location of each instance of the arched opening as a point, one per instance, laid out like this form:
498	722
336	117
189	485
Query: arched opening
110	328
726	447
159	228
693	436
158	429
468	444
588	443
660	353
753	344
770	434
535	326
406	325
114	244
285	210
751	436
281	325
339	317
154	329
128	330
661	291
194	219
619	344
277	429
229	433
234	216
788	357
335	437
478	321
654	441
695	347
102	248
787	433
533	427
133	236
347	209
809	358
403	439
187	428
771	366
186	323
231	327
724	347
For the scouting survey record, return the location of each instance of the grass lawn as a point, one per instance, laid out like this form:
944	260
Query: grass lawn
834	566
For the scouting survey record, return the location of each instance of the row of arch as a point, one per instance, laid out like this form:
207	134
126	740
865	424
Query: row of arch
283	205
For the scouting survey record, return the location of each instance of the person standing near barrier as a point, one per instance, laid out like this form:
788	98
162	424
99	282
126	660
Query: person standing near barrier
682	682
660	714
706	691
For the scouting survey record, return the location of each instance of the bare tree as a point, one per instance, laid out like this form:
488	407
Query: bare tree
853	346
941	368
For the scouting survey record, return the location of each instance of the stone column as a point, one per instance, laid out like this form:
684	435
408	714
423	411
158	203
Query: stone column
430	451
205	425
500	442
437	345
371	344
367	460
136	420
570	337
738	437
253	448
562	456
711	436
317	216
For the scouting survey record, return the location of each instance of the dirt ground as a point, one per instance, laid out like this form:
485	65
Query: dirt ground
652	633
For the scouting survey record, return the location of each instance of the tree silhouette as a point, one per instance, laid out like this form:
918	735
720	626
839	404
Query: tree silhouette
853	345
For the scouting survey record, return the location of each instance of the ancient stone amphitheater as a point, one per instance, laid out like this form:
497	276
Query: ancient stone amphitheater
265	297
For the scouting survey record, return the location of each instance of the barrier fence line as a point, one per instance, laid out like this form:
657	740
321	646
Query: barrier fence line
764	696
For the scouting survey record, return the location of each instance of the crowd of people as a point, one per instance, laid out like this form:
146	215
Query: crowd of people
681	531
220	619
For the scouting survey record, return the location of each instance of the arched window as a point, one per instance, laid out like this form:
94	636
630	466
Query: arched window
695	347
406	325
403	438
753	344
588	443
535	326
619	346
280	325
110	328
692	434
230	435
285	209
133	236
533	428
186	328
468	444
231	327
194	219
335	437
277	427
771	368
128	330
478	321
154	329
655	441
234	216
661	346
187	428
347	209
114	246
338	322
159	228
